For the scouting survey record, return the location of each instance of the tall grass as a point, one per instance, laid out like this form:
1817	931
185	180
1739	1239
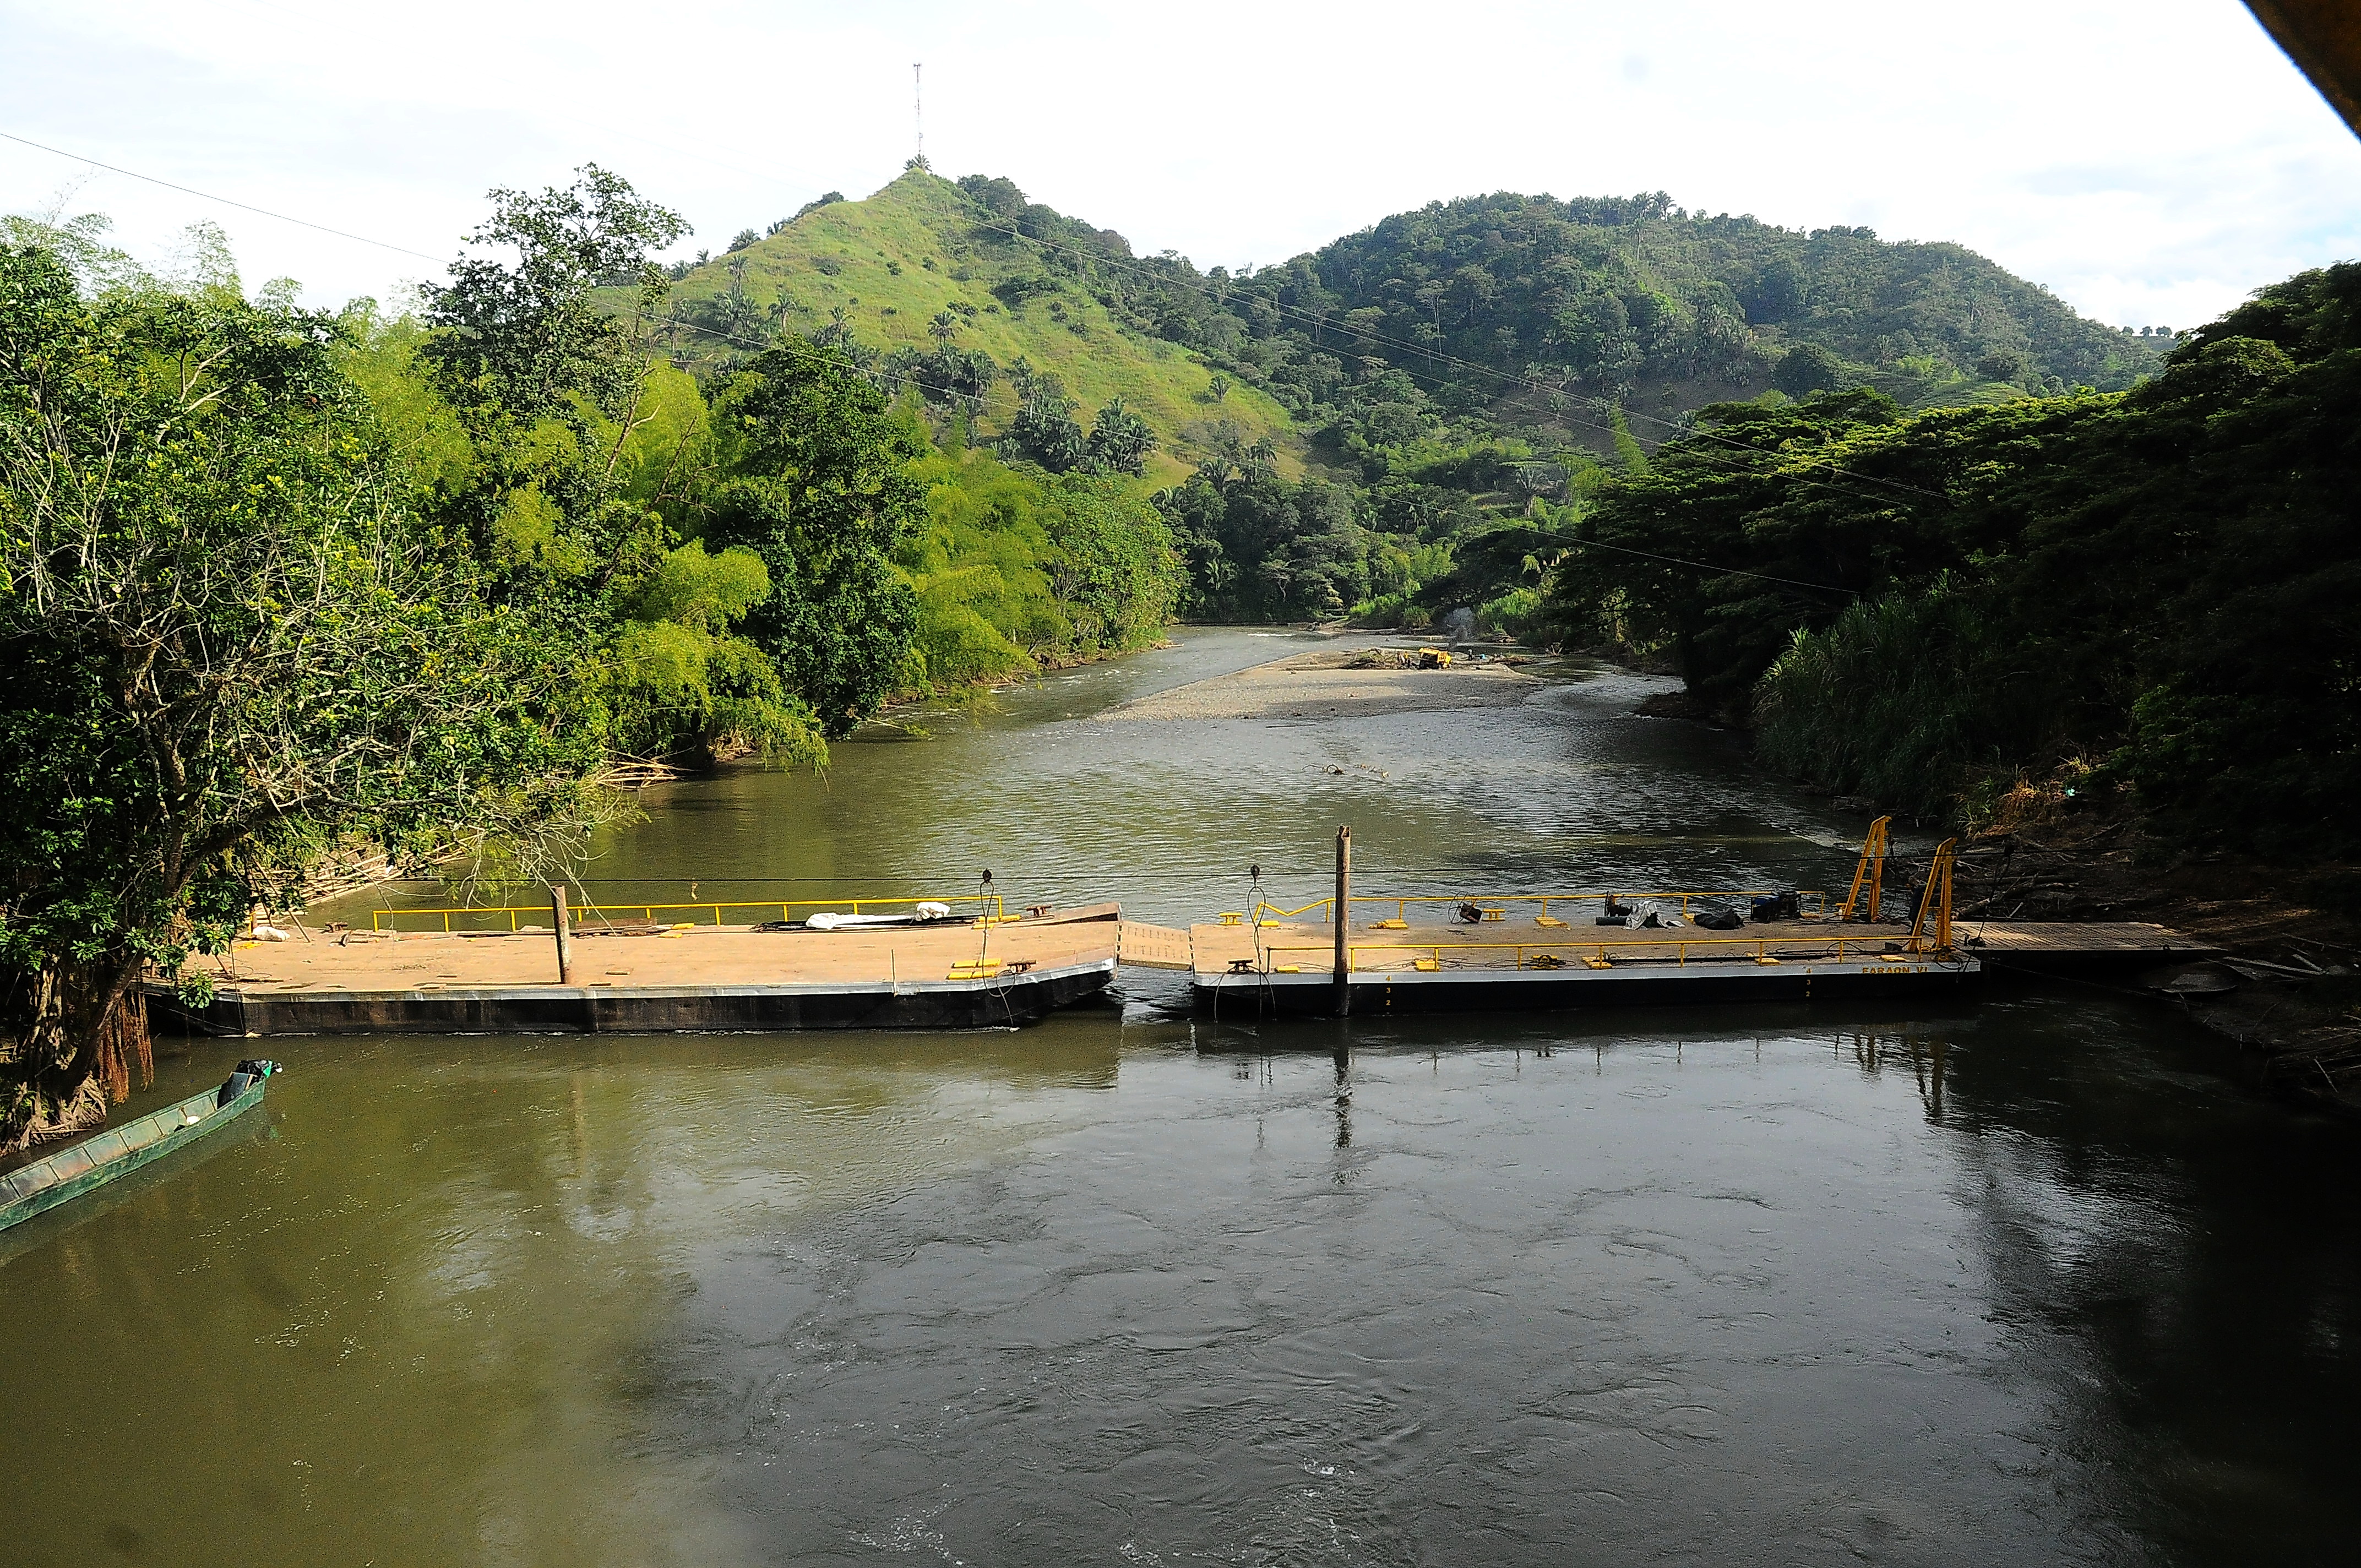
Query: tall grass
1901	699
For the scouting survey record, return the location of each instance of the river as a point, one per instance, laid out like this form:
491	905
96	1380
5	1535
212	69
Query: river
2035	1281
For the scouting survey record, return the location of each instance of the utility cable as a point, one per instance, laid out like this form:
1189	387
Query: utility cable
1432	356
780	344
405	250
1718	571
224	200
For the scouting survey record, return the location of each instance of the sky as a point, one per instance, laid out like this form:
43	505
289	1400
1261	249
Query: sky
2151	161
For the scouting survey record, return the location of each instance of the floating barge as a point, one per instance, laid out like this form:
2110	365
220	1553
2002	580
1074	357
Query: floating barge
916	964
1278	967
1286	968
1443	953
644	975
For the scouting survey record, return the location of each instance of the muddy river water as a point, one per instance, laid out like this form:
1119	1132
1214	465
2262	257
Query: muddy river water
2032	1281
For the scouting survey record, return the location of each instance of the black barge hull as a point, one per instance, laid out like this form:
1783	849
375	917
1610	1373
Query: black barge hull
1001	1003
1377	994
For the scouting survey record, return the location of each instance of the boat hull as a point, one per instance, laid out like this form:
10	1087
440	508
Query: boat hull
58	1179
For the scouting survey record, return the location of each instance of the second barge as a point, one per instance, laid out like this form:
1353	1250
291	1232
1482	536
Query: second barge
1390	954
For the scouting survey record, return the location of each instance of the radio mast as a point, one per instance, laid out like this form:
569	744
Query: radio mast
919	111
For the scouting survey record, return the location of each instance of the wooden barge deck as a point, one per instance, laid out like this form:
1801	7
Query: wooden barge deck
1496	965
956	973
1436	967
648	979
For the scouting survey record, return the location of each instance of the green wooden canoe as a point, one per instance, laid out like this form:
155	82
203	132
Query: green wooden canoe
67	1174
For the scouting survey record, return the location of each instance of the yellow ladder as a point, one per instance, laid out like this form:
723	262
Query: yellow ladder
1869	873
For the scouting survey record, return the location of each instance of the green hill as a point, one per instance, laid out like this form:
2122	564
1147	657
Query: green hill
1524	316
1536	314
883	268
1410	416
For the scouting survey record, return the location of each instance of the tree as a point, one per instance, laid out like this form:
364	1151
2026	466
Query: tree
1120	441
549	390
819	490
1115	571
1777	294
2002	365
231	644
523	338
1045	429
1807	369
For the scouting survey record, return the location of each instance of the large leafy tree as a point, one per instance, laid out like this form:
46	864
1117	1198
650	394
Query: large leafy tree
231	642
522	338
550	391
819	488
585	458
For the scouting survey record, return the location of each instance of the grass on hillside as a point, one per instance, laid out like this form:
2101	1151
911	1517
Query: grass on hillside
914	249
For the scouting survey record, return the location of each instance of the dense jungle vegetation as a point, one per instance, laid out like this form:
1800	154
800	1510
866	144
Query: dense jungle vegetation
2157	590
274	581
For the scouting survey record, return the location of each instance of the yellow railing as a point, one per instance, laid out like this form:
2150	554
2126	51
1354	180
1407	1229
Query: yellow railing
1814	902
590	918
1766	950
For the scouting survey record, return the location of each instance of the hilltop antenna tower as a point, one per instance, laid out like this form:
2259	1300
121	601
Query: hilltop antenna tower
919	111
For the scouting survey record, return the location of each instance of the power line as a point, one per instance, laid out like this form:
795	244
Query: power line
1526	383
405	250
1704	567
778	345
224	200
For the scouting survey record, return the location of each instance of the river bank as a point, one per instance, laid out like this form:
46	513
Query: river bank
2288	1001
2291	1003
1353	682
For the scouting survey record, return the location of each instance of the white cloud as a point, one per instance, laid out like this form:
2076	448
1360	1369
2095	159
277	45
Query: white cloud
2150	164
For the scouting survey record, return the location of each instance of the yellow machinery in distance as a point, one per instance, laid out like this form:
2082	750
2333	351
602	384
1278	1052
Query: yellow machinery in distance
1935	901
1870	875
1868	878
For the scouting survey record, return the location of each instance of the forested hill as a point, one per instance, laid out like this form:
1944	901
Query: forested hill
971	297
1500	300
1380	428
1533	316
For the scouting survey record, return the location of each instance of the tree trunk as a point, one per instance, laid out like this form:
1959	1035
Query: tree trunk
76	1033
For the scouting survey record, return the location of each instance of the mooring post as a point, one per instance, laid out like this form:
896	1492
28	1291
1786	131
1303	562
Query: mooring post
1344	921
564	935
